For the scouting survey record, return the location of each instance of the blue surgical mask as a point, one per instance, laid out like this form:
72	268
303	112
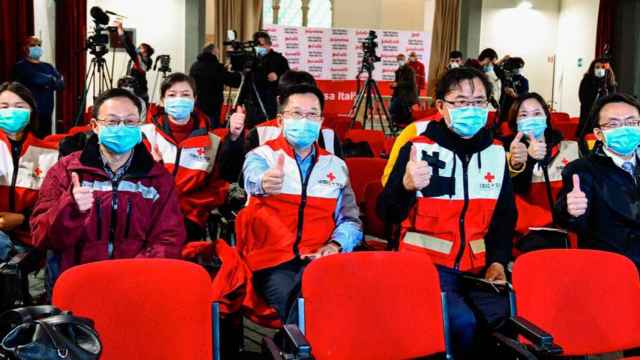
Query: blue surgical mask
535	125
179	108
261	51
119	139
12	120
301	133
488	68
622	140
467	121
35	52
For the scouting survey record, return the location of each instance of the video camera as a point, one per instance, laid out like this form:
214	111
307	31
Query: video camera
510	68
98	43
165	63
241	54
369	56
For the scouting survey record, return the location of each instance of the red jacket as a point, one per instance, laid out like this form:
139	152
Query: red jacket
19	185
197	176
145	221
418	67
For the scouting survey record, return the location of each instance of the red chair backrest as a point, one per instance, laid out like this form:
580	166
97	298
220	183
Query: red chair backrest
363	171
221	132
373	225
142	308
373	305
588	300
375	139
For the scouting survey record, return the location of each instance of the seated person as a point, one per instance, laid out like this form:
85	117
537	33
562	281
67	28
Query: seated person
461	212
301	203
26	160
180	138
535	150
601	195
110	200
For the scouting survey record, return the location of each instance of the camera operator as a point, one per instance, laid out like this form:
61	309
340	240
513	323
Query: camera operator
271	65
514	83
210	76
139	64
599	81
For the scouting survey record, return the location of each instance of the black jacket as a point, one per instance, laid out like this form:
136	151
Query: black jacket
211	77
137	68
268	90
591	88
612	220
395	202
405	79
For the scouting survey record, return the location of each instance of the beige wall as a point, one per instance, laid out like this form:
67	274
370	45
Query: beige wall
380	14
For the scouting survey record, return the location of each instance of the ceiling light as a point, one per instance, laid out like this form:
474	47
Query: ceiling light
525	5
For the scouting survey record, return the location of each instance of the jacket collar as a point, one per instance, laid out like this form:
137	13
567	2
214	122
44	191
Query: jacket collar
142	163
201	124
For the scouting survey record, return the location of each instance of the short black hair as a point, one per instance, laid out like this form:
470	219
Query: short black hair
455	54
594	115
115	93
175	78
150	50
24	93
453	77
487	53
295	77
262	35
300	89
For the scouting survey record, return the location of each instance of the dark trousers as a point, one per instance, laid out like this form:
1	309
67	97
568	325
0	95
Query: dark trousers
400	110
280	287
471	314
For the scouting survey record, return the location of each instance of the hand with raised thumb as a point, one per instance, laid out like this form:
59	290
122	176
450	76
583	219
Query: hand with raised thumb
518	151
537	149
273	178
83	196
417	174
236	123
577	202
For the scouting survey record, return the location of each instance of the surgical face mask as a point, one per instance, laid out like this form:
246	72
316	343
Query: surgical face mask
13	120
535	125
35	52
261	51
467	121
301	133
488	68
622	140
454	65
179	108
401	62
600	73
119	139
518	71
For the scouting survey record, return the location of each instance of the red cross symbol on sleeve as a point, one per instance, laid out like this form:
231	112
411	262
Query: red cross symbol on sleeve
489	177
331	177
565	162
201	151
37	172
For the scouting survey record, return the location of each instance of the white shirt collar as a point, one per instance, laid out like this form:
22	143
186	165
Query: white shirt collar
617	159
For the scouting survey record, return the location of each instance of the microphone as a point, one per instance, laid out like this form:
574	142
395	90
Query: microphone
114	14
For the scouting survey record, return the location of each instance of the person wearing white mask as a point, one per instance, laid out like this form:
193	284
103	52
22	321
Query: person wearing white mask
598	82
405	93
455	59
179	137
42	79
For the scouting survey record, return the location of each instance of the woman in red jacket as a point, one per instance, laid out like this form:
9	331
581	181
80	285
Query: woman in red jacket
179	136
24	161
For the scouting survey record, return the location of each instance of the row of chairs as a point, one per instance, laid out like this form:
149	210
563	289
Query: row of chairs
364	305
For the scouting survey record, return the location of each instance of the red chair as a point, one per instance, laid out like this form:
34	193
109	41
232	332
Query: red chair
142	308
221	132
356	306
388	144
363	171
587	300
375	139
377	234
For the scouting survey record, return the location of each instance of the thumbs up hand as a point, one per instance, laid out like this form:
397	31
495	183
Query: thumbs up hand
518	151
577	202
537	149
82	195
417	175
236	123
272	179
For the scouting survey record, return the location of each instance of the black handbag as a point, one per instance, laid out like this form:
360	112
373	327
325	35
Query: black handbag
47	333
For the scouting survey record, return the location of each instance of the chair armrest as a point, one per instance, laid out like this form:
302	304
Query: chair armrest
542	341
297	342
512	346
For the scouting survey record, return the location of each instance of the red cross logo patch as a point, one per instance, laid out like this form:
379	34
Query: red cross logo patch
201	151
37	172
565	162
331	177
489	177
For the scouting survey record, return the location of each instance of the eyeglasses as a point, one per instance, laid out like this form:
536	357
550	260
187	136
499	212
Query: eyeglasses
467	103
128	122
296	115
611	124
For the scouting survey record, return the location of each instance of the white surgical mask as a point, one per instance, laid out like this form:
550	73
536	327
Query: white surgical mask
600	73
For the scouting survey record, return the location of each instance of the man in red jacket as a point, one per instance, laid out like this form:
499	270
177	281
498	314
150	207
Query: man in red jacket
418	67
110	200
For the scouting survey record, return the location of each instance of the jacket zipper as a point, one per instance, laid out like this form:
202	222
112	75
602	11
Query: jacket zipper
128	223
99	220
303	204
113	222
14	179
465	177
176	164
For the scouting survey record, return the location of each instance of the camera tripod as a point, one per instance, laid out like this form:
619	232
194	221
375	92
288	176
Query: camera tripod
370	95
98	78
247	94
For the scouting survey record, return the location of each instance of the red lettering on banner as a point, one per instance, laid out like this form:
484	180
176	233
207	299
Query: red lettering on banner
313	31
339	54
315	46
390	41
339	39
315	61
290	38
343	69
415	35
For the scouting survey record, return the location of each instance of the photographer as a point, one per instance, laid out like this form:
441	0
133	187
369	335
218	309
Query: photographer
210	76
515	84
140	62
271	65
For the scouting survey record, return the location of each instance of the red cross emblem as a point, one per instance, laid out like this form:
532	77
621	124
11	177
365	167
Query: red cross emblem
37	172
565	162
201	151
331	177
489	177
